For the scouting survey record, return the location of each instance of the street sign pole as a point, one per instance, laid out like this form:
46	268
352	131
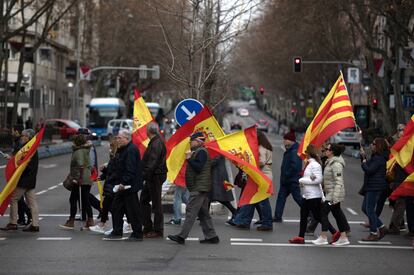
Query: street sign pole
186	110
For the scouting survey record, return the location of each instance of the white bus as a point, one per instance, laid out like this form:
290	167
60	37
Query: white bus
102	110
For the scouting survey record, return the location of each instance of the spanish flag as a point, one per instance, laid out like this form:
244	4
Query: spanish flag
403	153
334	115
142	117
179	143
243	150
15	167
227	185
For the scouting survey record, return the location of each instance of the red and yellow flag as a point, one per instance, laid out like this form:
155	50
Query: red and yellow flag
227	185
179	143
403	153
15	167
334	115
142	117
242	149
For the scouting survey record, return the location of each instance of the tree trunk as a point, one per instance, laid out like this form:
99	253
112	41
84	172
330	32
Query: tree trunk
19	79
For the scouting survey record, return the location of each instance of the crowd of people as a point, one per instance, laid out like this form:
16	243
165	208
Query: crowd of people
317	187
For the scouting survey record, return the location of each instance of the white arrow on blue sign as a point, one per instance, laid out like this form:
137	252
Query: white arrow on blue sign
186	110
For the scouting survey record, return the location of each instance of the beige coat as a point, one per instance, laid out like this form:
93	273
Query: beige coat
265	161
333	179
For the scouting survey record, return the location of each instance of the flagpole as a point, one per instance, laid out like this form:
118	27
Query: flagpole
356	125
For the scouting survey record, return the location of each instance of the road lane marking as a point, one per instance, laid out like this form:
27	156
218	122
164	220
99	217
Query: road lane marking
48	166
322	246
60	184
54	238
41	192
188	239
297	221
245	240
352	211
374	243
53	187
2	239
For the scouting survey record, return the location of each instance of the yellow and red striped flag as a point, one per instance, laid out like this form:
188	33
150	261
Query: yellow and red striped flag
334	115
403	153
243	150
142	117
179	143
16	166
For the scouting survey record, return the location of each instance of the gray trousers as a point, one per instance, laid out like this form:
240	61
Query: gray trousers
398	213
198	206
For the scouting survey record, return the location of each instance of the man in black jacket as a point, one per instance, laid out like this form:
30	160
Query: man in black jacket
154	170
126	191
25	187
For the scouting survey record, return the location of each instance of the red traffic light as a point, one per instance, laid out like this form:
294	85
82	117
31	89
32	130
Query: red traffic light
375	101
297	64
261	89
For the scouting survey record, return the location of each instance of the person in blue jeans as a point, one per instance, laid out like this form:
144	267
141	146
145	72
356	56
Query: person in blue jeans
245	214
181	195
374	185
289	175
409	208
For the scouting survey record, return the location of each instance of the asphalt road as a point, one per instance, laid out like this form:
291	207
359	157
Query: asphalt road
54	251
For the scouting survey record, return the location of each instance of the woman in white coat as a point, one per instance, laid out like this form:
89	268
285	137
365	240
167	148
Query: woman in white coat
312	193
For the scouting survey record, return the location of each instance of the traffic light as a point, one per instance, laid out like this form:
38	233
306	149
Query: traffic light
375	103
297	64
261	90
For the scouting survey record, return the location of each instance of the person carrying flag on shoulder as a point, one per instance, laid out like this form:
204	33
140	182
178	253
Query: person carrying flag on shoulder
25	187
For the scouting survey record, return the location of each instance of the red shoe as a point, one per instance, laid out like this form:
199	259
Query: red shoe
297	240
336	236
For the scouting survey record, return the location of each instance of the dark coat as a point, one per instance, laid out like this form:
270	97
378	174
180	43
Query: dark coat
198	171
154	159
375	170
218	176
291	166
130	169
399	176
28	177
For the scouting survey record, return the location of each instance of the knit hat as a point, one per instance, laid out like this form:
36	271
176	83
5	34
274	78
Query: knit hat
290	136
199	136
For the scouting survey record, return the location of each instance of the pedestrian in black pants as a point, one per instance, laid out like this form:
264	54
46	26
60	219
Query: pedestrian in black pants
154	171
334	187
23	210
126	197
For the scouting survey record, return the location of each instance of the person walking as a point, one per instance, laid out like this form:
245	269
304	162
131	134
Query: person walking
25	187
126	195
109	173
154	171
198	179
374	184
181	195
312	193
289	175
80	172
334	187
245	214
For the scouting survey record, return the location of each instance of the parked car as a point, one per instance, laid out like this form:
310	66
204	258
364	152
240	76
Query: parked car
348	136
252	102
115	125
63	127
262	125
235	125
243	112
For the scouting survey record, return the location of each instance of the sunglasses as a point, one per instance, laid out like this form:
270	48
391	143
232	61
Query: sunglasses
401	130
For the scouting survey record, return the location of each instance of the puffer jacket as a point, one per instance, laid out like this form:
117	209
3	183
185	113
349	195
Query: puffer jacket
311	189
80	167
375	170
333	179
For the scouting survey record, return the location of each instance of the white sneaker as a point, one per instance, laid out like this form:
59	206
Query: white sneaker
320	241
341	241
107	233
99	228
127	228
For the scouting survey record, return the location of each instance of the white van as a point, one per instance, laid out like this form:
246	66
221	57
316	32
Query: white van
115	125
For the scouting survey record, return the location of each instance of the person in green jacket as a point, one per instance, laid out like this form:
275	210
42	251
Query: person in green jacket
80	173
198	180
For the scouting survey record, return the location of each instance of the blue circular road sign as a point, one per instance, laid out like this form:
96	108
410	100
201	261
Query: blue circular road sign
186	110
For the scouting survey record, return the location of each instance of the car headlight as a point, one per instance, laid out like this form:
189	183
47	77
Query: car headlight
94	134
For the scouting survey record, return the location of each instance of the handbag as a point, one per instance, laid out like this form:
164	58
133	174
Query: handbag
68	183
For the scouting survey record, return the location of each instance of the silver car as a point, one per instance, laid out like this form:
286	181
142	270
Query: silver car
348	136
